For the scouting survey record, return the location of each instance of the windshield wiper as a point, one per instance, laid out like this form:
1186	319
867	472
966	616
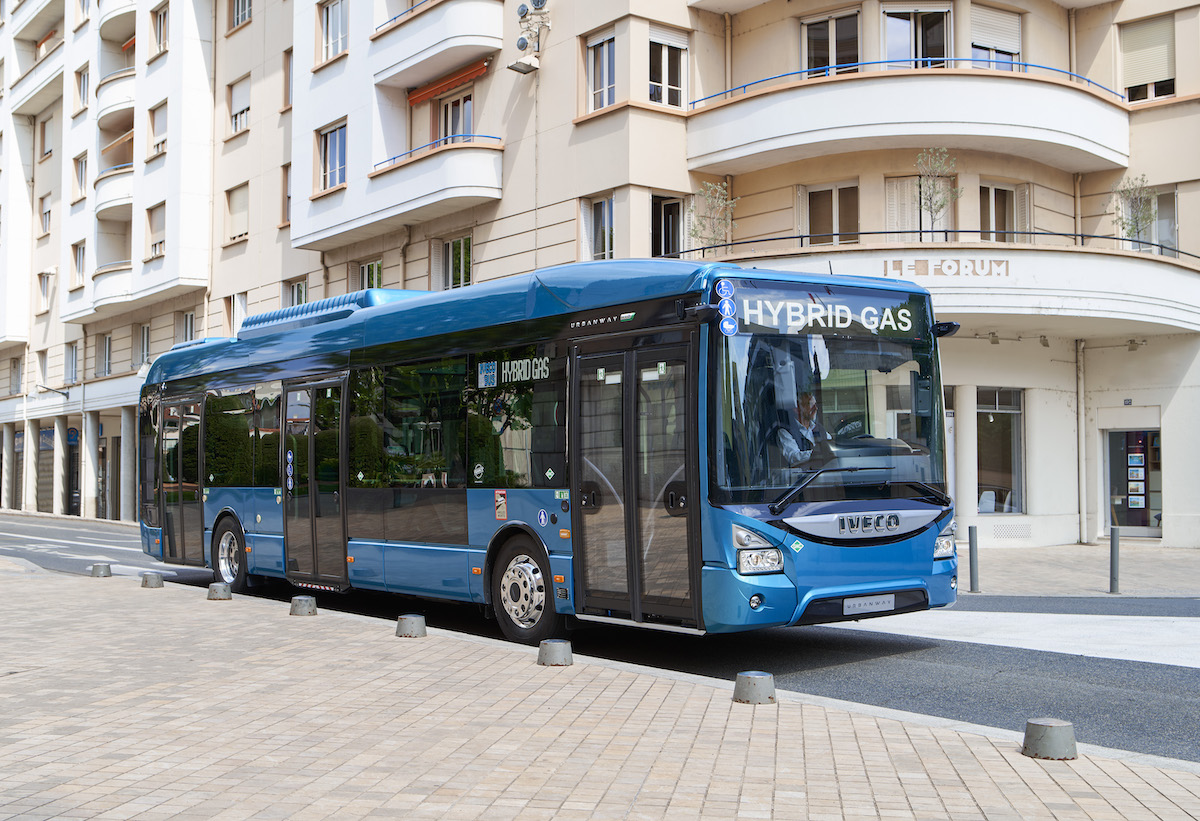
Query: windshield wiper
939	497
777	506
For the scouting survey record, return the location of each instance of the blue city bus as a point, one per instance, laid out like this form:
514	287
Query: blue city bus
685	446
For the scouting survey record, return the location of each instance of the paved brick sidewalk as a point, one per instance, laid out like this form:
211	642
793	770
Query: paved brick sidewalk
122	702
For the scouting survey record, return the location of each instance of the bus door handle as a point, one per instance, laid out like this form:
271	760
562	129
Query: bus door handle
676	499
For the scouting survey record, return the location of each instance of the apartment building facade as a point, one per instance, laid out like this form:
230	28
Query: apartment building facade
329	146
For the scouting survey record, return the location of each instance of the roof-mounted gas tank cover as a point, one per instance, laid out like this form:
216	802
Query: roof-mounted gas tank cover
323	310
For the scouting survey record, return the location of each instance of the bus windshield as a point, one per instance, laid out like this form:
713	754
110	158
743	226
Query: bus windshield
827	395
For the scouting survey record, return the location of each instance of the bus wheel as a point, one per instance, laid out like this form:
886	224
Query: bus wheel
522	593
229	557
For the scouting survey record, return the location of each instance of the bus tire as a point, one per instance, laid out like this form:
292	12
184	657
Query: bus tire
522	593
229	556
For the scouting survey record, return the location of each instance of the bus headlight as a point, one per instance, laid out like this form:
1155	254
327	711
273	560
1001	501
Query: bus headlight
943	546
755	554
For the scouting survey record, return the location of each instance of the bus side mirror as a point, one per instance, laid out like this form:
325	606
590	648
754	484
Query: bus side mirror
941	329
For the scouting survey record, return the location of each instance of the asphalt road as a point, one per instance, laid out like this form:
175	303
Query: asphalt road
1136	706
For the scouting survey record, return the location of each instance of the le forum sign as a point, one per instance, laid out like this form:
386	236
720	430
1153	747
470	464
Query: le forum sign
946	267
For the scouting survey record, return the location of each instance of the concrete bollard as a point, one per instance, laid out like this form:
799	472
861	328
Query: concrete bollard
973	553
555	653
303	606
101	570
411	626
754	687
219	591
1049	738
1114	560
152	580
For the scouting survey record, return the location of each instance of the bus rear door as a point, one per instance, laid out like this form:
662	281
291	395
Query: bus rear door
183	519
314	525
634	493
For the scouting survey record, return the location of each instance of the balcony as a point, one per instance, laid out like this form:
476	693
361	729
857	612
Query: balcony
40	66
114	99
114	194
433	38
428	182
1048	117
36	16
112	285
1023	292
117	19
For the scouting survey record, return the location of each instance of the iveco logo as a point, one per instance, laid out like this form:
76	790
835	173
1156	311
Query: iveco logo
867	523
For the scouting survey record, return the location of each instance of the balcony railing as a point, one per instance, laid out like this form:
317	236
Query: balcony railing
942	236
453	139
925	63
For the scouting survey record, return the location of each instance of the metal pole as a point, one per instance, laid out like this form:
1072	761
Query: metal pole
1114	560
973	552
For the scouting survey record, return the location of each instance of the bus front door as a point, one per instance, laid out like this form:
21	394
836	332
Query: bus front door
632	487
314	527
183	520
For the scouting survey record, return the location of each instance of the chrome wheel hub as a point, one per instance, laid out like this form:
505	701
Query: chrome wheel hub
229	558
523	591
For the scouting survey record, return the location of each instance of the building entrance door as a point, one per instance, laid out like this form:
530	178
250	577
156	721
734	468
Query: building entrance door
1135	482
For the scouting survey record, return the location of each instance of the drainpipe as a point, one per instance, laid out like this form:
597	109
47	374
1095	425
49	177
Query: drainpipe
1081	441
1078	209
1071	40
728	50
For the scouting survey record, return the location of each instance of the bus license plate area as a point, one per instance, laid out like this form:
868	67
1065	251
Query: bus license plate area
868	604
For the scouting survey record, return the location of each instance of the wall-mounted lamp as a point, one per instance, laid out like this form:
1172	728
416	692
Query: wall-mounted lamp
992	338
526	65
1045	342
66	395
1134	344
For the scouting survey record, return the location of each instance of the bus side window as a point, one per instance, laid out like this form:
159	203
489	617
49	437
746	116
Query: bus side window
228	440
266	442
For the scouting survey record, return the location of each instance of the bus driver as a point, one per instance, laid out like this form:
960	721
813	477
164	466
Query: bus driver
803	433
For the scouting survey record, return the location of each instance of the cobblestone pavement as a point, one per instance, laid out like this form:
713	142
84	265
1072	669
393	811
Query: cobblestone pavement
120	702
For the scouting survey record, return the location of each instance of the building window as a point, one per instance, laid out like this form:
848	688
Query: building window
156	229
71	363
78	264
81	89
286	188
829	44
104	355
370	275
84	9
597	234
46	132
287	78
917	39
333	28
239	105
332	156
15	369
43	367
161	17
455	124
44	210
1003	213
141	348
81	179
1148	58
158	130
907	220
830	213
995	38
237	212
295	293
1001	452
235	311
1159	232
43	292
601	68
185	327
239	12
666	226
668	66
456	263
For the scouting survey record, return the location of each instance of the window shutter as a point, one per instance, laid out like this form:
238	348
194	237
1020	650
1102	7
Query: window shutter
239	96
689	224
1023	213
993	28
1148	51
239	209
600	36
802	210
437	265
667	36
586	251
157	222
901	195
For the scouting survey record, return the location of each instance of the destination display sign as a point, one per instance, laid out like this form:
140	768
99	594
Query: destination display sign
748	307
